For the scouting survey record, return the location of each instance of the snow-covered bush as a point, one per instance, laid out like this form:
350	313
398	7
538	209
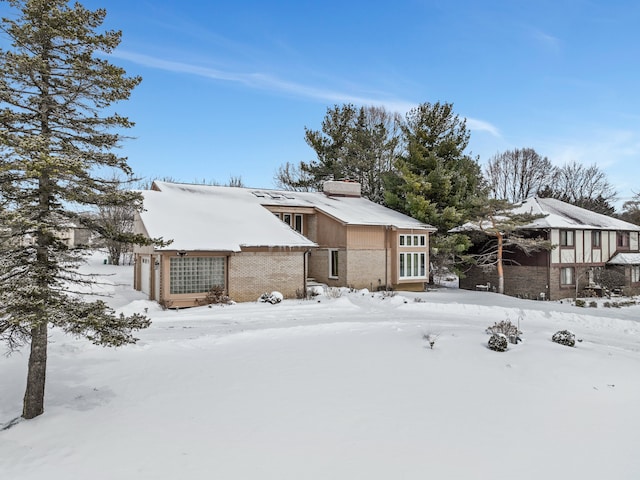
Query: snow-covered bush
593	304
506	328
334	292
580	302
498	342
564	337
272	298
216	295
431	339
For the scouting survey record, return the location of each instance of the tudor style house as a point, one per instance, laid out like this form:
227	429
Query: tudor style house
251	241
585	243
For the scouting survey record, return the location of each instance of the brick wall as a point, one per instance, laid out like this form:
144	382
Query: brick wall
519	281
366	269
253	273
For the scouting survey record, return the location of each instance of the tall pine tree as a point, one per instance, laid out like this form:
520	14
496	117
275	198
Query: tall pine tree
435	180
57	93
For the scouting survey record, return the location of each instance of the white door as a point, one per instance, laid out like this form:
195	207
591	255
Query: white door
145	275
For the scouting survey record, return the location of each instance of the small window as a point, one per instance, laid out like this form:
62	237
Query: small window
623	239
333	263
298	222
567	276
596	239
567	238
413	240
286	218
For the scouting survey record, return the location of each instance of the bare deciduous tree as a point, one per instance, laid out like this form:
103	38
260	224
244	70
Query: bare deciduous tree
517	174
577	184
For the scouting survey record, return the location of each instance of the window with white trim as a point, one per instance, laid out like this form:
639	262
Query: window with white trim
333	263
567	276
407	240
413	265
596	239
195	274
635	274
297	222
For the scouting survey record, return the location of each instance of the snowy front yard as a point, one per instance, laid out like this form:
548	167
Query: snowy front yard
336	388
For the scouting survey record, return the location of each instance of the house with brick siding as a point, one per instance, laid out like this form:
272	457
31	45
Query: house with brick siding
585	245
250	241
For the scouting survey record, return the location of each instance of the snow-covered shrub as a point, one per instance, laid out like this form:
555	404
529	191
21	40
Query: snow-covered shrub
216	295
272	298
580	302
431	339
506	328
564	337
593	304
334	292
498	342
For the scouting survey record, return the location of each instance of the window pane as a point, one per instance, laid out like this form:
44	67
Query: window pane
333	272
402	272
298	225
401	240
195	274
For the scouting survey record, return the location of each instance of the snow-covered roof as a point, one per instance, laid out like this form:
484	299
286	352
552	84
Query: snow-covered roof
207	217
560	214
625	259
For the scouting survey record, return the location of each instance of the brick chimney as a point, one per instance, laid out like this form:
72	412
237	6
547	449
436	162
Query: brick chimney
341	188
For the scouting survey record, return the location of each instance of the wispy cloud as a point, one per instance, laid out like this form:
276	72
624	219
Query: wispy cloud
546	40
253	80
270	83
481	126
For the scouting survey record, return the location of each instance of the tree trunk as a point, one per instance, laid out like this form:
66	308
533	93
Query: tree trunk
500	269
33	404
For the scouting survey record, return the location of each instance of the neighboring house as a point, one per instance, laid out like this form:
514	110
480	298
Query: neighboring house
251	241
72	235
585	243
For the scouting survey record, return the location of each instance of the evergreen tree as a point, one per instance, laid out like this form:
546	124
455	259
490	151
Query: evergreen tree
55	142
356	144
435	181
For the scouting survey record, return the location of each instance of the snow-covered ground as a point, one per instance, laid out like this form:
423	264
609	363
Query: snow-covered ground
335	388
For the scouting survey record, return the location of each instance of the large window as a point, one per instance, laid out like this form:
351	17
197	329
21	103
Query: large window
567	276
596	239
567	238
413	265
413	240
195	274
333	263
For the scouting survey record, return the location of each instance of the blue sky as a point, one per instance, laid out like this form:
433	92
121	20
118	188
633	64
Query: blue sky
229	86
